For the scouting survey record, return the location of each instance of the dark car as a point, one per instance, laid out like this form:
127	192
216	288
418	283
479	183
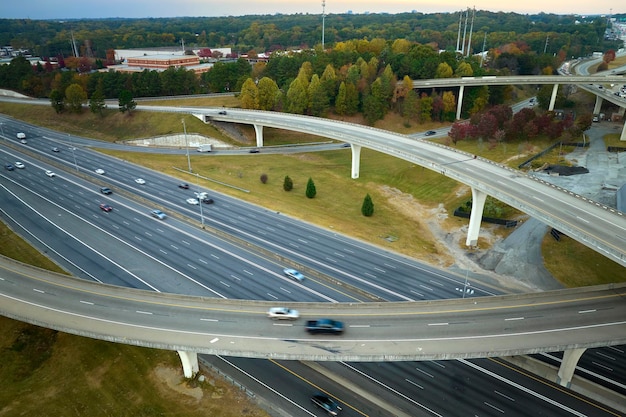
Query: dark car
254	150
9	167
105	207
326	403
430	133
55	149
183	186
223	112
106	190
207	200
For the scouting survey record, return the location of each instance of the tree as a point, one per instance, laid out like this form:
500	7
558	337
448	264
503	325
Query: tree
367	209
374	104
340	101
126	101
297	100
75	97
310	188
318	100
56	100
268	94
249	96
96	102
287	183
444	71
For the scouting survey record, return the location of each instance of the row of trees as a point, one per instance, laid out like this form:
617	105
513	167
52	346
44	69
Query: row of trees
573	34
498	124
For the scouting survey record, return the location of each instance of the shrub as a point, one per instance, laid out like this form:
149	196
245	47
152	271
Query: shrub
310	189
287	184
367	209
264	178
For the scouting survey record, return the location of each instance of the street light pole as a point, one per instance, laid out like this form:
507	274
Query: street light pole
73	149
186	146
323	21
198	194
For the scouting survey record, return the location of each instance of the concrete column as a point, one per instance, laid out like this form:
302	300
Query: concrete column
598	106
478	204
623	136
258	130
190	363
459	102
356	160
555	89
568	365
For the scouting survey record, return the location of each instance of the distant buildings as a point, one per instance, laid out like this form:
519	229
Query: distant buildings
160	59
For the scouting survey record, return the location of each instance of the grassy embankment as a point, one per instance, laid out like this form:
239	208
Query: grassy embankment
62	375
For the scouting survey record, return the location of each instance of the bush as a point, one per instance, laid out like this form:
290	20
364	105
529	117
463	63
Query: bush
287	184
367	209
310	189
264	178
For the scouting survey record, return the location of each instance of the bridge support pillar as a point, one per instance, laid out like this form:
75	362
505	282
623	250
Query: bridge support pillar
478	204
258	130
459	103
568	365
356	160
623	136
555	90
598	106
190	363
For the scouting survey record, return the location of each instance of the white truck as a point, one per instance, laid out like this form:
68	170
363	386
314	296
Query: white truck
205	148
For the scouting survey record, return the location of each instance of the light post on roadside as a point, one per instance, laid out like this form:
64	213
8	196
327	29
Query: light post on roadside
186	145
199	197
72	148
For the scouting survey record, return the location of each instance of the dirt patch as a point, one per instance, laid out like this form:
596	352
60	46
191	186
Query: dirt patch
173	379
449	236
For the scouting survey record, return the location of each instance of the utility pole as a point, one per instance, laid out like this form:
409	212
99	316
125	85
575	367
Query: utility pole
545	47
458	36
186	145
469	43
323	21
464	31
482	55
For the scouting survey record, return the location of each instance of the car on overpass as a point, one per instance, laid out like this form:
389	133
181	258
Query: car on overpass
283	313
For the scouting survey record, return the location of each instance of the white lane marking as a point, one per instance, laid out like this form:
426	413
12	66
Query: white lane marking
214	340
493	406
414	383
269	388
438	324
36	290
360	325
522	388
602	366
425	373
143	312
441	365
505	396
587	311
425	287
214	320
514	318
224	284
396	392
435	282
87	302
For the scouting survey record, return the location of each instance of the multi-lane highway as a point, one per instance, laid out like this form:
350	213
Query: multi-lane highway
90	197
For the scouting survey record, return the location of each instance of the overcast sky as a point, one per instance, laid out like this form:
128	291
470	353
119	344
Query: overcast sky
50	9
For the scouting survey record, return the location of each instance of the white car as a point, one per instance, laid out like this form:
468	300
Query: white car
21	135
193	201
140	181
293	274
50	174
19	165
158	214
283	313
100	171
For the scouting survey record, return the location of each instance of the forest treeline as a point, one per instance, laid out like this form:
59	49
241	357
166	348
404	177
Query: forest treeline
569	35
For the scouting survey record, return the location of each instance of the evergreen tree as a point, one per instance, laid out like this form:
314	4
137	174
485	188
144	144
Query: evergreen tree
126	101
341	105
367	209
352	99
310	188
268	94
318	100
249	96
56	100
96	102
297	100
287	184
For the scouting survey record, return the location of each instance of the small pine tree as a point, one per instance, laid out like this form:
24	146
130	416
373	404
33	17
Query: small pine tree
310	189
367	209
287	184
264	178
